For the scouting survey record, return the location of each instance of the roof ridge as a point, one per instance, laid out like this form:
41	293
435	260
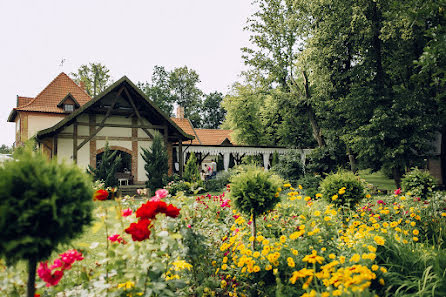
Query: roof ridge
193	129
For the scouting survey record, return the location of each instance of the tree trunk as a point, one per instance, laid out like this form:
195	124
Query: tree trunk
317	134
31	288
253	232
352	160
376	20
396	171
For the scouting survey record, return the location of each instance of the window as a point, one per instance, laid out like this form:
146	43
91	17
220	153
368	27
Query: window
18	126
68	107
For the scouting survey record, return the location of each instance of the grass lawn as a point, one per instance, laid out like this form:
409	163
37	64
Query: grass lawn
378	179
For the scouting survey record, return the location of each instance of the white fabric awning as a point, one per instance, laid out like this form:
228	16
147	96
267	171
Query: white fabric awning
241	150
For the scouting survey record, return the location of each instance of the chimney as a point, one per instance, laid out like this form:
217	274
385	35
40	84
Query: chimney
180	112
82	85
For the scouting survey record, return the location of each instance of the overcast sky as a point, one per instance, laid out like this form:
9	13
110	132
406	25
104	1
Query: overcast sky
129	37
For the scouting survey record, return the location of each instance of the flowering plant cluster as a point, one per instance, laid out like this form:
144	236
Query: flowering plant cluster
147	212
53	274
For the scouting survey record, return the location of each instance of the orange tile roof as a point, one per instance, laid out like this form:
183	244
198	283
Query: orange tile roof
48	99
23	100
213	136
187	127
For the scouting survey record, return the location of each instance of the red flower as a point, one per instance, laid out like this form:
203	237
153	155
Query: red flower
397	191
150	209
100	195
172	211
126	212
45	274
140	230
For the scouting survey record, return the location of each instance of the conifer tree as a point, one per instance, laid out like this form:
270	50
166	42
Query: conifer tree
157	165
106	169
191	170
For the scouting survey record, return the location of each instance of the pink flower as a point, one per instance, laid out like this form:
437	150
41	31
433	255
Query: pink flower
225	203
155	199
126	212
397	191
116	238
381	202
189	226
45	274
161	193
57	263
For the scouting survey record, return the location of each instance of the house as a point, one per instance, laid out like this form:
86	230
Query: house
67	123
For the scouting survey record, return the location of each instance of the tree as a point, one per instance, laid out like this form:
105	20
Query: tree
4	149
213	114
105	170
183	85
191	170
42	204
158	90
95	77
156	163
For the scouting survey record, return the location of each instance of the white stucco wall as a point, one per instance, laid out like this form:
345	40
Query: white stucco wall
141	171
41	122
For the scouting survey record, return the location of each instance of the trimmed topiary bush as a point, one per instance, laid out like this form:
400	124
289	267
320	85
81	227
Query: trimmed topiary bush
419	183
342	189
254	192
42	204
156	163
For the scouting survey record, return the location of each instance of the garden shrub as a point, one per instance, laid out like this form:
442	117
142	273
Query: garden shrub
219	182
254	192
105	171
191	170
343	189
310	184
324	160
156	165
42	204
289	166
419	183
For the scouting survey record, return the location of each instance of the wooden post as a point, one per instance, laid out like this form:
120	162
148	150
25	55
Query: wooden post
54	153
180	155
75	141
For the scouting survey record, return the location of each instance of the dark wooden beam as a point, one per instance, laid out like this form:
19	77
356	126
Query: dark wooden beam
137	113
103	120
148	126
75	149
55	145
180	157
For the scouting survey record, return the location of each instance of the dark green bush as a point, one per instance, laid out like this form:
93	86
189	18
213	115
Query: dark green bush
105	170
310	184
42	204
191	171
289	166
333	183
157	165
419	183
327	159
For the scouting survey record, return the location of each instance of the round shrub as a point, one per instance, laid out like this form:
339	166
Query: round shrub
342	188
419	183
254	191
42	204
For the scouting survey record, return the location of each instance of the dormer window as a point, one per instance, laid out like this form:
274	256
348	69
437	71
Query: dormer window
68	107
68	103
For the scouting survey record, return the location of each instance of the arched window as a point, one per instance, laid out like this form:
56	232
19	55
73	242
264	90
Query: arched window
126	161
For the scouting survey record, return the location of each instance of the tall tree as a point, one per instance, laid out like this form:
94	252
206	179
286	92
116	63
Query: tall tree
4	149
183	85
156	163
94	76
158	90
213	113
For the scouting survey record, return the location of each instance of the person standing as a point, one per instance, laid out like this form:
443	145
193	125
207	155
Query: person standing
214	168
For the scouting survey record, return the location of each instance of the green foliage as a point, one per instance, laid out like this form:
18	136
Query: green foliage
4	149
275	159
158	89
254	191
219	182
419	183
324	160
213	113
106	168
191	171
290	166
156	163
42	204
95	77
310	184
333	183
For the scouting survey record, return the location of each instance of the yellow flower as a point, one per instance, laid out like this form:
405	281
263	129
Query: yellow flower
327	219
342	259
300	187
379	240
375	267
318	195
295	252
368	196
268	267
415	238
317	213
223	283
355	258
337	292
383	270
334	197
332	256
256	268
224	267
290	262
416	232
443	214
127	285
256	254
283	239
313	258
381	281
341	191
287	185
181	264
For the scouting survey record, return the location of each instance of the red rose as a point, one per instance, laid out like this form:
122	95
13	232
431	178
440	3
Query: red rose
100	195
150	209
140	230
172	211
